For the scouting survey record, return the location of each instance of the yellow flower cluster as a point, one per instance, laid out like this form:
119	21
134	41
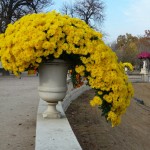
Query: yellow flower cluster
114	118
27	41
128	65
96	101
36	38
80	70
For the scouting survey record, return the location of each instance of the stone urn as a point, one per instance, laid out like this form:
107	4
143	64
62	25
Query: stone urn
144	69
52	85
126	70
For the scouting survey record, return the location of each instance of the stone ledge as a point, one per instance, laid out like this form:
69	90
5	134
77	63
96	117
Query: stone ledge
54	134
72	95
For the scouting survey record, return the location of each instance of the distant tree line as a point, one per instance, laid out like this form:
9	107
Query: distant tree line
127	47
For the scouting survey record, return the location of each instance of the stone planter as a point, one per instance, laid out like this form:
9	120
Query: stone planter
126	70
52	85
144	70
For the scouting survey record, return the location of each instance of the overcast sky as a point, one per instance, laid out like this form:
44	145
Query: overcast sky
122	16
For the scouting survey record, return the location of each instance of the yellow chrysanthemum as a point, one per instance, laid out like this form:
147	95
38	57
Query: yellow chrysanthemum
128	65
36	38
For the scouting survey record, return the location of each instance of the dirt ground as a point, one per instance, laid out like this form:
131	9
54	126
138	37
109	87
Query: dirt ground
94	133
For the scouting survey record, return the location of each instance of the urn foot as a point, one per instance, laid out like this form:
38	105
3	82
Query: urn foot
52	112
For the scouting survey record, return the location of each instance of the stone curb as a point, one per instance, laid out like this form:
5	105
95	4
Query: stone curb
72	95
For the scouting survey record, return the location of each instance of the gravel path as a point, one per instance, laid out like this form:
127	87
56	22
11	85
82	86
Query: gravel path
18	108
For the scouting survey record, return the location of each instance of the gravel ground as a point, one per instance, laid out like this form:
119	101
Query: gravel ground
18	108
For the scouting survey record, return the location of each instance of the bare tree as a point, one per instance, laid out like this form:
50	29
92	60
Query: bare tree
11	10
91	11
68	10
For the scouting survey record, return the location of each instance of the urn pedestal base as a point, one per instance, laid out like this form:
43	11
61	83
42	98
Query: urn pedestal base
144	71
51	111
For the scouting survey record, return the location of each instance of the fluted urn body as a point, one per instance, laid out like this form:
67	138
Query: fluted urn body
52	85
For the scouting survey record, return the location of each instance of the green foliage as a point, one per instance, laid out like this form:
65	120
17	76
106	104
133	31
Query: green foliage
106	107
126	48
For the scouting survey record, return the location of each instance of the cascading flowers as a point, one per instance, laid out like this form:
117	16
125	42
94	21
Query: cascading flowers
128	65
37	38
